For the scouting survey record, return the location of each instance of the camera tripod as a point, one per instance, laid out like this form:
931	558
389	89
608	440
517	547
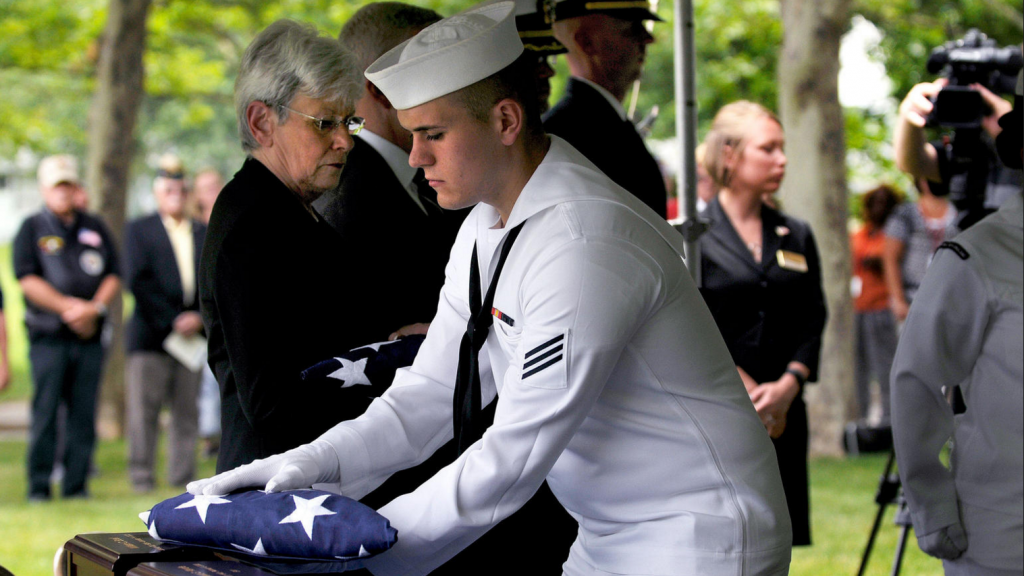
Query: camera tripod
889	492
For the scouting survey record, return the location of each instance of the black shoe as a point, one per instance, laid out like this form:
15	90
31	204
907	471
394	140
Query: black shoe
80	495
38	497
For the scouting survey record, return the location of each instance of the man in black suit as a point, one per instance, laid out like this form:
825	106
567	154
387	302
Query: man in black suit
381	202
161	260
606	43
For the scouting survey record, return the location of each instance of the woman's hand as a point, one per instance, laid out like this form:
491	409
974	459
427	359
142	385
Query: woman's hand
772	401
748	381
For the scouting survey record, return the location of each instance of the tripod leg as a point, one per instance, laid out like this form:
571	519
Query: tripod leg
871	540
901	547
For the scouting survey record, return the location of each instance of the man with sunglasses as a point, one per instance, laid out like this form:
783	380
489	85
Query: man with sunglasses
273	288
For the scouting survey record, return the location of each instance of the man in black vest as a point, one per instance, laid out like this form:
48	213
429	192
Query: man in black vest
66	264
162	253
606	42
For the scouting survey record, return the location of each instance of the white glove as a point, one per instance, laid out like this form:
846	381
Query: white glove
947	543
301	467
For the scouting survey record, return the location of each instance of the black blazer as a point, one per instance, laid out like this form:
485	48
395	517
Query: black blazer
277	295
587	121
151	273
768	315
403	249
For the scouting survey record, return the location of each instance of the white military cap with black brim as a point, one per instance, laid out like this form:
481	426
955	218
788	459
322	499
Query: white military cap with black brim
448	56
626	10
534	19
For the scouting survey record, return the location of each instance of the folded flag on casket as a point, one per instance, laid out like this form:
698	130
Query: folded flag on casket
373	365
296	524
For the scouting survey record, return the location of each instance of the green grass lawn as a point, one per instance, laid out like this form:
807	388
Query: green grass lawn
842	504
30	533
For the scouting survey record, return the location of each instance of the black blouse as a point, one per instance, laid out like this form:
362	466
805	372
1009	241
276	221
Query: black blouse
773	312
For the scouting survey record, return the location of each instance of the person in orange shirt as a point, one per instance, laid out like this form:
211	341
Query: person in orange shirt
875	322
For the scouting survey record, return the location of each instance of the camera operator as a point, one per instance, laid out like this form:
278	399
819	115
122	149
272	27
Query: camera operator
965	165
966	331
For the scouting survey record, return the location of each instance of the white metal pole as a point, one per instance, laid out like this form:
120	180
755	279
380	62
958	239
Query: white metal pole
686	132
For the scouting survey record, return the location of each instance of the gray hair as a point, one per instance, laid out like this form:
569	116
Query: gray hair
378	27
288	58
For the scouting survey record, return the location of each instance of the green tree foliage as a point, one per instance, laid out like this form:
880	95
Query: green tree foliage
911	30
737	45
48	52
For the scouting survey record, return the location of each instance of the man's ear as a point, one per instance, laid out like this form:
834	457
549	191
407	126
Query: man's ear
262	121
378	96
729	155
509	119
583	39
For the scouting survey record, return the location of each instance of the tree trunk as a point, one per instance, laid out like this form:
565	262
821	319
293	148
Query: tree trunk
815	190
112	118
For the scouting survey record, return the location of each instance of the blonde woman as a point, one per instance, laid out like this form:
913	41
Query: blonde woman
762	282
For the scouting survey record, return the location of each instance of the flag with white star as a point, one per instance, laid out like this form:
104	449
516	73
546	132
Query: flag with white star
306	524
373	365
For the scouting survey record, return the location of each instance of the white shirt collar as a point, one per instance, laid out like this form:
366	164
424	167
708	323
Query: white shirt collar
565	175
397	159
615	104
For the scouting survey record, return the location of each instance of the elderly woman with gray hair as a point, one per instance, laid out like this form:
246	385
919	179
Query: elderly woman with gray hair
274	298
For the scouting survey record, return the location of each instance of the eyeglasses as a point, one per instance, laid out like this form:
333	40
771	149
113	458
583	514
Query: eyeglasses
354	124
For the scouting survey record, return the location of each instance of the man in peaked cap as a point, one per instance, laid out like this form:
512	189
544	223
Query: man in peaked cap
606	42
534	21
567	303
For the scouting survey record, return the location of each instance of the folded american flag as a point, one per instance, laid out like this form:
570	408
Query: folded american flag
296	524
373	365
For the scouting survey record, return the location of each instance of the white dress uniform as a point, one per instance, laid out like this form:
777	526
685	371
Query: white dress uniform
613	383
966	328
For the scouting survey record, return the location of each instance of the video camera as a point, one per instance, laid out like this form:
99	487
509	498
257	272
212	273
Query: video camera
973	59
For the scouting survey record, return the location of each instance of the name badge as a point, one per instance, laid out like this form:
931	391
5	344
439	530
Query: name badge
791	261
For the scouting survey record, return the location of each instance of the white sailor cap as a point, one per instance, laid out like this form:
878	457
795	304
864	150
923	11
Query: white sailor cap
448	55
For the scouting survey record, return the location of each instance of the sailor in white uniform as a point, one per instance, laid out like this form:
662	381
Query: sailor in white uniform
966	329
611	379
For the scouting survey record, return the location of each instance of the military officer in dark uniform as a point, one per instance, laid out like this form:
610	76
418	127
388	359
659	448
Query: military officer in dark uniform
606	42
66	263
762	283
